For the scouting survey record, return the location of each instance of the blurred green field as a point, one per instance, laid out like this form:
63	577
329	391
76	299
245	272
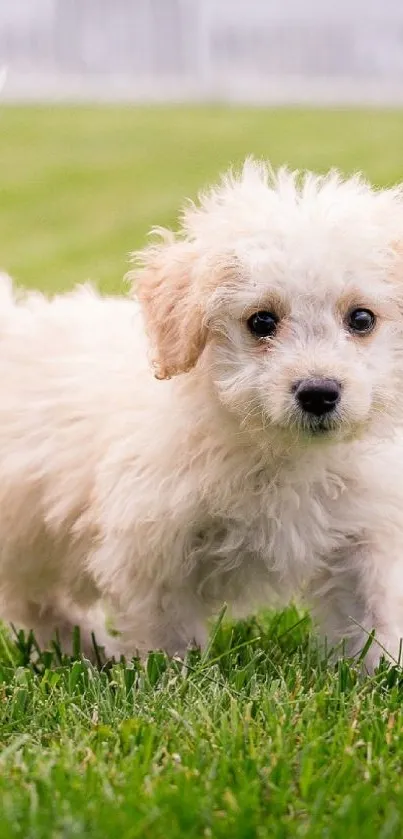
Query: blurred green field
80	187
260	737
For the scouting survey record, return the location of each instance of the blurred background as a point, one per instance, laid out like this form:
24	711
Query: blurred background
113	111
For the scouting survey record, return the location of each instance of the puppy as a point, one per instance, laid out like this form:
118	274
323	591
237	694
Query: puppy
262	455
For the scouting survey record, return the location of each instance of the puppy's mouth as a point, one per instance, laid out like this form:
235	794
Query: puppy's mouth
320	426
306	428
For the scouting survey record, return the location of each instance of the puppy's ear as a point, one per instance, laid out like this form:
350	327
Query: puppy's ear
169	291
396	273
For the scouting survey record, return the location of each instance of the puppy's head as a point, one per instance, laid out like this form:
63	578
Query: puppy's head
287	291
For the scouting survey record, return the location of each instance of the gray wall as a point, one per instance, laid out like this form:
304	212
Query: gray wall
231	50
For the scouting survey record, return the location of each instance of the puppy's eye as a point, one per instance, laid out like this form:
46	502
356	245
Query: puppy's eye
263	324
361	321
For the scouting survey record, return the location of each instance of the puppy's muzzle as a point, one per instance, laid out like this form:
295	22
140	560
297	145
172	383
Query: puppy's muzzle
317	397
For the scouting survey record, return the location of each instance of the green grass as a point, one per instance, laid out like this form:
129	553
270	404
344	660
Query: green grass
260	737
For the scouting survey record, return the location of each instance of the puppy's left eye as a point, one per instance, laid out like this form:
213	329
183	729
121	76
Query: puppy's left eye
361	321
263	324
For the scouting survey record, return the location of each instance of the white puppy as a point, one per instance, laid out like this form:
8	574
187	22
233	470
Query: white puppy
266	462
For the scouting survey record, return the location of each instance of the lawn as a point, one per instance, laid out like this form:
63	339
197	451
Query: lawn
260	736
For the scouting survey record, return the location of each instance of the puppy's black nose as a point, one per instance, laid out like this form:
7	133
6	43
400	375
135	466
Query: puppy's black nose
318	396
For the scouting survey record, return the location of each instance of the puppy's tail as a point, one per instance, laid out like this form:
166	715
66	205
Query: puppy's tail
9	300
7	292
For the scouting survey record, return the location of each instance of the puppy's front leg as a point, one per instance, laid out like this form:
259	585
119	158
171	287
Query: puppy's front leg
361	591
54	621
165	620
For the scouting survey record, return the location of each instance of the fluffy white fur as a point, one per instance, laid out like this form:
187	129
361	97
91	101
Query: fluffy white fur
166	496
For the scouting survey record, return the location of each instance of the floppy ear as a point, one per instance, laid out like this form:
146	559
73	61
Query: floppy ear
168	289
395	276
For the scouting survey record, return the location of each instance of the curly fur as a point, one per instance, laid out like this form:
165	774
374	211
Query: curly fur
165	496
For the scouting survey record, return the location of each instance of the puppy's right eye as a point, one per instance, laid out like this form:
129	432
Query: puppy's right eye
361	321
263	324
